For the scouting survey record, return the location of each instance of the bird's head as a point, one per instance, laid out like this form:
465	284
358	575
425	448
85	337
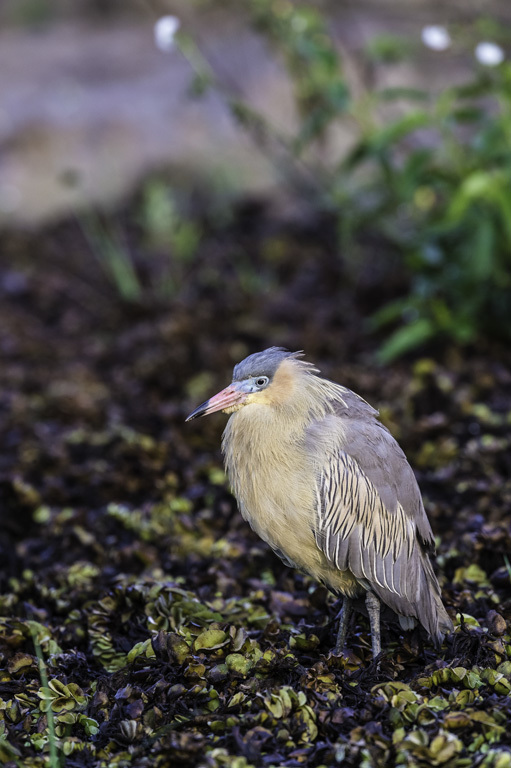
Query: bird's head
266	378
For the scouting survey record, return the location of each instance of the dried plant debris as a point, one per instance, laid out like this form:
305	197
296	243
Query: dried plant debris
142	623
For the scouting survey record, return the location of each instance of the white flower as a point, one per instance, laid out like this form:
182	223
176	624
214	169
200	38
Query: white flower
489	54
165	31
436	38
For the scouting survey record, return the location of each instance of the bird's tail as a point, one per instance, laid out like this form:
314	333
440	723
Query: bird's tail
423	601
430	609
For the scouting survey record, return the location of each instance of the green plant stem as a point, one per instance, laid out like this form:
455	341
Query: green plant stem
54	757
269	140
112	256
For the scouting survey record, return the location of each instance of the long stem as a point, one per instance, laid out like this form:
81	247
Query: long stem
54	757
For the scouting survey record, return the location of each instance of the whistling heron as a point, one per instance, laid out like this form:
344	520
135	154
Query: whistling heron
325	484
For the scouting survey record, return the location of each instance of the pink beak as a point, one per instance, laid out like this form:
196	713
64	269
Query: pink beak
231	395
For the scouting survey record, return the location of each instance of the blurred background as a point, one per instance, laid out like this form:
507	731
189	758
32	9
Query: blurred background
183	184
382	127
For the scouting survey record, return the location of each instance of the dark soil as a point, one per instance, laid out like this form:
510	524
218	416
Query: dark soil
171	634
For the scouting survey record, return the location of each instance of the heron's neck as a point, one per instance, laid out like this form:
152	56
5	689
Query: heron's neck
263	432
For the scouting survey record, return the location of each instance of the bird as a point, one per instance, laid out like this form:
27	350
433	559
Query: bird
323	482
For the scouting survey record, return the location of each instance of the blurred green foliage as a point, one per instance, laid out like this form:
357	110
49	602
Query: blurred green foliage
425	186
28	13
429	176
107	244
443	201
168	229
171	241
320	90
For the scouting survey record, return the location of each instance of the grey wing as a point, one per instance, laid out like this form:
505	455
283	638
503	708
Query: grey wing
357	532
370	519
357	431
366	449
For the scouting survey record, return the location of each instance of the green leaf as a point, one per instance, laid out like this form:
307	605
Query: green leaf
90	725
393	133
66	717
211	639
20	662
237	663
412	94
389	313
46	693
388	49
472	90
143	648
237	699
407	338
482	250
468	114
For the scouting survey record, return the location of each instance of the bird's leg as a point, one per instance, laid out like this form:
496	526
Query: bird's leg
373	609
344	617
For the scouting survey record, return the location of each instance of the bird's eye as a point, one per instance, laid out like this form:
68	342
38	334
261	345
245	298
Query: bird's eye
262	381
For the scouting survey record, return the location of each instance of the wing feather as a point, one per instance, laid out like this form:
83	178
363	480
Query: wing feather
370	519
355	529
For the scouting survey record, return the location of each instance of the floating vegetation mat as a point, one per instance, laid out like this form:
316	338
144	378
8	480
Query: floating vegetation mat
142	623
